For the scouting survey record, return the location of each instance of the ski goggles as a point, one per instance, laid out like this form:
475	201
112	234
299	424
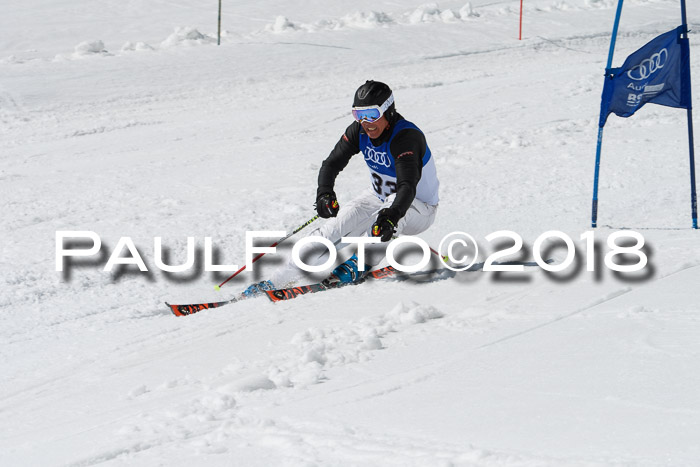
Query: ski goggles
372	113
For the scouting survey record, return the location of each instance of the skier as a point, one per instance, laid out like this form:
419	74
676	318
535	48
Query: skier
403	197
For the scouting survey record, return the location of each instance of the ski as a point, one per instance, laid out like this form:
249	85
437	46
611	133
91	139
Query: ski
387	272
184	310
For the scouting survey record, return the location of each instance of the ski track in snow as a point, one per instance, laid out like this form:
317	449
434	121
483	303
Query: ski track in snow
115	124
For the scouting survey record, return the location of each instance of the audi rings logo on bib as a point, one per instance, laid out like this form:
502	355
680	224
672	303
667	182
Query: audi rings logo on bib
649	66
376	157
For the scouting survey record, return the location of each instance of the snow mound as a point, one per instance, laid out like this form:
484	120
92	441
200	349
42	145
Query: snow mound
135	47
599	3
138	391
427	13
357	20
366	20
467	12
213	404
175	422
281	24
88	48
412	314
11	59
318	350
187	36
247	384
431	13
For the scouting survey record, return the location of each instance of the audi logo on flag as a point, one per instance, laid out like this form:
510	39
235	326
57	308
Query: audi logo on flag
649	66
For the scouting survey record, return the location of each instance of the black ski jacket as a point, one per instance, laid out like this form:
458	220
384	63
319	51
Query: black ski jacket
408	143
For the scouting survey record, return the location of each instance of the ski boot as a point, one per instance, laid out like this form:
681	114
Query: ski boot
344	274
258	289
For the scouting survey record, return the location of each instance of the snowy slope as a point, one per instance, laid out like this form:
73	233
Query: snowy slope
126	119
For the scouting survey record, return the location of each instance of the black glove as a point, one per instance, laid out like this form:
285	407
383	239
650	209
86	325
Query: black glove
327	205
385	226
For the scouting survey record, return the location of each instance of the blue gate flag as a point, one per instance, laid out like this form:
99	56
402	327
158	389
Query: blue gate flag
658	73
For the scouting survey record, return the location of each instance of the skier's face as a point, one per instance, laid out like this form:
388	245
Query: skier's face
375	129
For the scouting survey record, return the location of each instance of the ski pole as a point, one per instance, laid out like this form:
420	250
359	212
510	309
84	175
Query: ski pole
445	258
218	287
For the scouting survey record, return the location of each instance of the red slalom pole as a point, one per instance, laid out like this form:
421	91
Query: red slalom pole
520	34
444	258
218	287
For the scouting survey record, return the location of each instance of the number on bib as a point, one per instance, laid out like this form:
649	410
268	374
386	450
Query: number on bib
378	183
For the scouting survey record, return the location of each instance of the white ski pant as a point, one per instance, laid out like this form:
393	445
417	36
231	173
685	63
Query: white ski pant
355	219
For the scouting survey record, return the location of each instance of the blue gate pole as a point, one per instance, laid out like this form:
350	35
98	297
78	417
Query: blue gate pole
594	213
693	191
